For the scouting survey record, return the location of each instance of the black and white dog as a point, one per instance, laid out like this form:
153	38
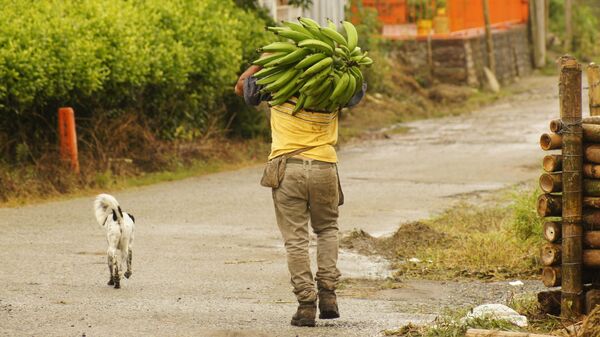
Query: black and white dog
119	234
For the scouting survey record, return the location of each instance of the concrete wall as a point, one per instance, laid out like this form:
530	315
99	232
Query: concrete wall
461	61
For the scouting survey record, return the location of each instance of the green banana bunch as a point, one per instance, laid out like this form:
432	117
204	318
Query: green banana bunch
318	66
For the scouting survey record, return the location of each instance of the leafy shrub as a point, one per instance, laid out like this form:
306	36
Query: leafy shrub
586	27
526	223
171	61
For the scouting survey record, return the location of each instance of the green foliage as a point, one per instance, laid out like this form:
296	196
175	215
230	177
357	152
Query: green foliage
586	27
171	61
526	223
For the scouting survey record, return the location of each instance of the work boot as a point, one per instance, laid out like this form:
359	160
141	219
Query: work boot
328	308
305	315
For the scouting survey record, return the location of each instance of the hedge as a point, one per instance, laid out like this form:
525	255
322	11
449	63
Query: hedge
171	61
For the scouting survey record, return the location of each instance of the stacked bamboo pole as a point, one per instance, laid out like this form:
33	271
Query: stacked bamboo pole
571	202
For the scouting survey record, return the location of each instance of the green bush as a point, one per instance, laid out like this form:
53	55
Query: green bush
526	224
586	27
171	61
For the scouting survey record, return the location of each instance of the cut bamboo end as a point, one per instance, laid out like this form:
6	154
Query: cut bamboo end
551	276
553	234
550	141
552	231
556	125
552	163
550	183
549	205
551	254
568	62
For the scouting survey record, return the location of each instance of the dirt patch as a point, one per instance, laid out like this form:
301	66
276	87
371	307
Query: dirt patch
402	244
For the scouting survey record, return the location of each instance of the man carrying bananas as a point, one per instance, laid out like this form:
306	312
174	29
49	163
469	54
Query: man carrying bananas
305	185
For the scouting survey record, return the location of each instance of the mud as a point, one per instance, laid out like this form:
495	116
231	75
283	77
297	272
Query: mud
402	243
209	259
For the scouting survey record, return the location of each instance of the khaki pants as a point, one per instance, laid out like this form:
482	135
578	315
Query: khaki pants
309	190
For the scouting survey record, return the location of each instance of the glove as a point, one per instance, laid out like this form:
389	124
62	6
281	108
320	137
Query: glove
252	94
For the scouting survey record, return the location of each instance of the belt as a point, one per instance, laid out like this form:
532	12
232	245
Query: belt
313	162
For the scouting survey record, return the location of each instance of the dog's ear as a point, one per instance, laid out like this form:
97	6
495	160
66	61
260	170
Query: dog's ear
114	216
131	216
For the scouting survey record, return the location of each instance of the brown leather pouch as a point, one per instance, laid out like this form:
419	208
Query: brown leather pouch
275	168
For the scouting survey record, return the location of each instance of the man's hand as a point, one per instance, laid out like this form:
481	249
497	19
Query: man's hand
239	86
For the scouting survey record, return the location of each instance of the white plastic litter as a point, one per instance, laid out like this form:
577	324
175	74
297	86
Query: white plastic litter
516	283
497	312
414	260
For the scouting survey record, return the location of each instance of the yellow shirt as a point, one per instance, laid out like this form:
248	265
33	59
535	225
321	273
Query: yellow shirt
302	130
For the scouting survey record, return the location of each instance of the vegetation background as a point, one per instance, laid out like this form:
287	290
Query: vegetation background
151	83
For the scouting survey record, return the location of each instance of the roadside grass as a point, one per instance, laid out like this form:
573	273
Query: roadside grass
231	156
498	241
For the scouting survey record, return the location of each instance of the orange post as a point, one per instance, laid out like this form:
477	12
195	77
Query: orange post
68	137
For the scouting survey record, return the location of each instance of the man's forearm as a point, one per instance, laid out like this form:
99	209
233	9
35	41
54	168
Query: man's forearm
239	87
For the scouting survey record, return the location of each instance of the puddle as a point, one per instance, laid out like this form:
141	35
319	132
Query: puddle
353	265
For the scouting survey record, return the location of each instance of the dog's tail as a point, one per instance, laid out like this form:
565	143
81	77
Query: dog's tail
106	205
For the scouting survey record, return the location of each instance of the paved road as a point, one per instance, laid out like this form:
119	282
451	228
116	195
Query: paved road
208	260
